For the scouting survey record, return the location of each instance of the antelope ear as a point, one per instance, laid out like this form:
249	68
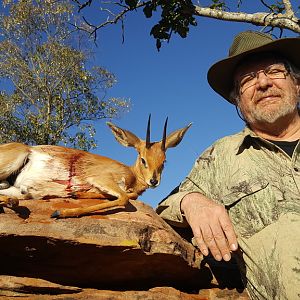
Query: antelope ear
124	137
174	138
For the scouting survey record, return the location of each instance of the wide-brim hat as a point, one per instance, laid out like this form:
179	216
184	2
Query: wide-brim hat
220	75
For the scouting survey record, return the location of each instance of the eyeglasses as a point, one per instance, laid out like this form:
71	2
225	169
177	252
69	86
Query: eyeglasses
275	71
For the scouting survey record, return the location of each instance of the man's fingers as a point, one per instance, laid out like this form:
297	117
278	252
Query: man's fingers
207	240
215	243
201	244
221	242
218	248
229	232
211	226
217	235
223	233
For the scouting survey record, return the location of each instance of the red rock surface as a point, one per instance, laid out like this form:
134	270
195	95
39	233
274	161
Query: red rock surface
121	254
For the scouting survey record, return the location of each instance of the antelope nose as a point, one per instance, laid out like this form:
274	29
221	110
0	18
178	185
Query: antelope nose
153	182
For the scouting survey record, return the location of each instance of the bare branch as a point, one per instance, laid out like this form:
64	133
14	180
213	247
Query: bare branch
288	8
266	5
115	18
283	18
82	6
260	18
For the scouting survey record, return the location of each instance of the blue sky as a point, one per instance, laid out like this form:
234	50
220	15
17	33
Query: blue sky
170	83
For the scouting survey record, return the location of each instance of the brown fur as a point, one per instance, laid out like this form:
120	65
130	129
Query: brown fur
54	171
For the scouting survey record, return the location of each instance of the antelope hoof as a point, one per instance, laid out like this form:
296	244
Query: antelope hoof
56	214
9	202
12	202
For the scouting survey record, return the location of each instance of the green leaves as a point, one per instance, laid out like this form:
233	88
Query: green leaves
217	4
53	97
176	17
148	9
131	3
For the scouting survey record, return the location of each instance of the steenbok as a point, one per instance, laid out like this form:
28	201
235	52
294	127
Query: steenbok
44	172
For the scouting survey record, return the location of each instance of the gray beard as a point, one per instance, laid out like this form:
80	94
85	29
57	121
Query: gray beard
270	117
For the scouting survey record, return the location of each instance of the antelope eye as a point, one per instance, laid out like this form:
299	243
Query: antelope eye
143	162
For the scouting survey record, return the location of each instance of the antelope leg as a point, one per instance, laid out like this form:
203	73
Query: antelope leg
10	202
75	212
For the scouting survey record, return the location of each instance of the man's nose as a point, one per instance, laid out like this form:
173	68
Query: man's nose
263	81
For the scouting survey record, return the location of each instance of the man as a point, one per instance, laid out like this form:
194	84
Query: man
244	191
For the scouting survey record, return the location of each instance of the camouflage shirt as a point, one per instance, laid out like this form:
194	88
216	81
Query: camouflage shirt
259	185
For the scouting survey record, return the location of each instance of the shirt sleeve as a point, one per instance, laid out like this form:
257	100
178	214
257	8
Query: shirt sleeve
198	180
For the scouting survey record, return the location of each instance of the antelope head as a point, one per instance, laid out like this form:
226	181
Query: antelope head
151	155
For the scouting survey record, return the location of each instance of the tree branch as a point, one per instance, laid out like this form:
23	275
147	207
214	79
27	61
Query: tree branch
116	18
287	20
266	5
260	18
288	8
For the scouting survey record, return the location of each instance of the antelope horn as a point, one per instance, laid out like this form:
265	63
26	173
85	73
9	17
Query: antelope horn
148	132
163	143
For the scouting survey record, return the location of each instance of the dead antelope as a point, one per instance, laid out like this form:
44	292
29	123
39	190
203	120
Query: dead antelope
43	172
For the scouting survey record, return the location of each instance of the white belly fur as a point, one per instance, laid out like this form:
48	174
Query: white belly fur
40	174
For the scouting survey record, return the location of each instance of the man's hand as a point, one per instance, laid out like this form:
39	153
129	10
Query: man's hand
211	226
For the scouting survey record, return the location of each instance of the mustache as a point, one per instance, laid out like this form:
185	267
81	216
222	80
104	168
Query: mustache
261	95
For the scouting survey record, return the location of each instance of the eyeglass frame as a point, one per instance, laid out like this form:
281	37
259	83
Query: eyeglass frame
286	72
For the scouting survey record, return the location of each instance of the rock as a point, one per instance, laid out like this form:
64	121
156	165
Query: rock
11	285
121	253
158	293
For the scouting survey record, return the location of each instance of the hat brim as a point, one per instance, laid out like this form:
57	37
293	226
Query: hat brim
220	75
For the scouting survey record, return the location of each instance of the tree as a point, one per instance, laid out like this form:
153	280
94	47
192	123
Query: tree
49	94
176	16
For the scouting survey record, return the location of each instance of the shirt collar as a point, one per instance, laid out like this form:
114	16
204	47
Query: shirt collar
247	138
246	135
